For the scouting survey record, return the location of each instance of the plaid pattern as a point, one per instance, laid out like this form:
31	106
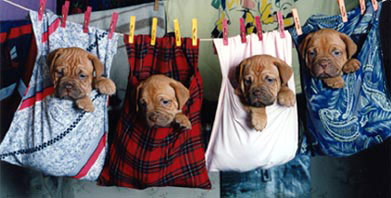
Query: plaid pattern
142	157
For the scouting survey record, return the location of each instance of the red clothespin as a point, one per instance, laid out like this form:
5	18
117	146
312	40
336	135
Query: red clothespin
362	6
87	16
375	5
242	30
42	4
280	24
259	27
65	9
225	31
113	24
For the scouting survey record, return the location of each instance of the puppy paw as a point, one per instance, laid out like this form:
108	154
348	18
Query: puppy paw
183	121
335	83
351	66
286	97
85	104
259	123
105	86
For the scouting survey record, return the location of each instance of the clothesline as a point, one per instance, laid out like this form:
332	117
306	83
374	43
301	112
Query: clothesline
27	9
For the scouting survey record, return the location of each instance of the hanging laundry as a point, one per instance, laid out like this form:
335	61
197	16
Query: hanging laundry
234	145
47	133
345	121
141	156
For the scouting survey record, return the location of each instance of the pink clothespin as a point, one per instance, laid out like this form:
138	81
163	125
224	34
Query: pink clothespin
280	24
65	9
375	5
113	24
342	9
87	16
42	4
242	30
362	6
225	31
259	27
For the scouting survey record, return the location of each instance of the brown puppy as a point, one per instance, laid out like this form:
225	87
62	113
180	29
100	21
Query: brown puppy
263	79
72	71
161	99
328	53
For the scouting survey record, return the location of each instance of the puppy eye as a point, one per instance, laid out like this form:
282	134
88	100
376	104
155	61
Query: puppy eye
60	73
247	81
142	102
336	53
269	79
312	53
165	102
82	76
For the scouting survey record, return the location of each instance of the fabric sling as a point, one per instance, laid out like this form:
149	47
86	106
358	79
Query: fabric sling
234	145
345	121
49	134
142	157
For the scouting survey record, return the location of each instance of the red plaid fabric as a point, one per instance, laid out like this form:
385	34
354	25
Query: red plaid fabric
142	157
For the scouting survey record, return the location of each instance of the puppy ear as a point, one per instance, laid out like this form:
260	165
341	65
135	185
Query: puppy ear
239	74
138	89
303	45
181	93
284	69
351	47
98	66
51	59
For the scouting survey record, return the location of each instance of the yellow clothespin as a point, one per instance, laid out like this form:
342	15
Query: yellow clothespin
194	32
132	26
177	33
154	30
295	14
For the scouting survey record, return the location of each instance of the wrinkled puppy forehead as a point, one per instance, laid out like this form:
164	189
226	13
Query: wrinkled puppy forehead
260	64
326	38
74	57
158	86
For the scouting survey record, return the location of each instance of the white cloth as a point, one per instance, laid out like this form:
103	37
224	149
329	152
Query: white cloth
234	145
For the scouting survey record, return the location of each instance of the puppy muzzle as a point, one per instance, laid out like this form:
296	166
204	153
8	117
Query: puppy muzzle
69	90
159	119
260	97
325	68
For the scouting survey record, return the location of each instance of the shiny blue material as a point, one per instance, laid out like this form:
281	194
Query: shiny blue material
345	121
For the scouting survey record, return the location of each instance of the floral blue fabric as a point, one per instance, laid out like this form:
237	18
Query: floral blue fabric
345	121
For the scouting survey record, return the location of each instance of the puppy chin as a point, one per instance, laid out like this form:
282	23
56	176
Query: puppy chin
158	119
261	103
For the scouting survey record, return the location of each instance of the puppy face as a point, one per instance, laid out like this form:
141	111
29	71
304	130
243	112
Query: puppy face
260	78
326	51
160	98
72	72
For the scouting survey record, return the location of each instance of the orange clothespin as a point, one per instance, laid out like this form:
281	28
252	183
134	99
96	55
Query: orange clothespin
375	5
342	9
259	27
281	26
65	9
132	26
362	6
113	24
153	31
242	30
177	33
194	32
42	4
87	15
225	31
295	14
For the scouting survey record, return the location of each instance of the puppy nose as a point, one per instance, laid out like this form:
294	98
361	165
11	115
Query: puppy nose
153	116
68	85
256	92
324	63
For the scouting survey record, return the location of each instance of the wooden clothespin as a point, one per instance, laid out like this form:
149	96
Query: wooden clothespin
225	31
65	9
281	26
156	5
87	15
259	27
153	31
362	6
242	30
132	26
375	5
295	14
194	32
42	5
342	9
177	33
113	24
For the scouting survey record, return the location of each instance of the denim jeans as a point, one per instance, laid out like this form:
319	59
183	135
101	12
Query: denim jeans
344	121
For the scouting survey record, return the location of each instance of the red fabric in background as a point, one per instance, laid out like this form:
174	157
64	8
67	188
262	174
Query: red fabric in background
142	157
